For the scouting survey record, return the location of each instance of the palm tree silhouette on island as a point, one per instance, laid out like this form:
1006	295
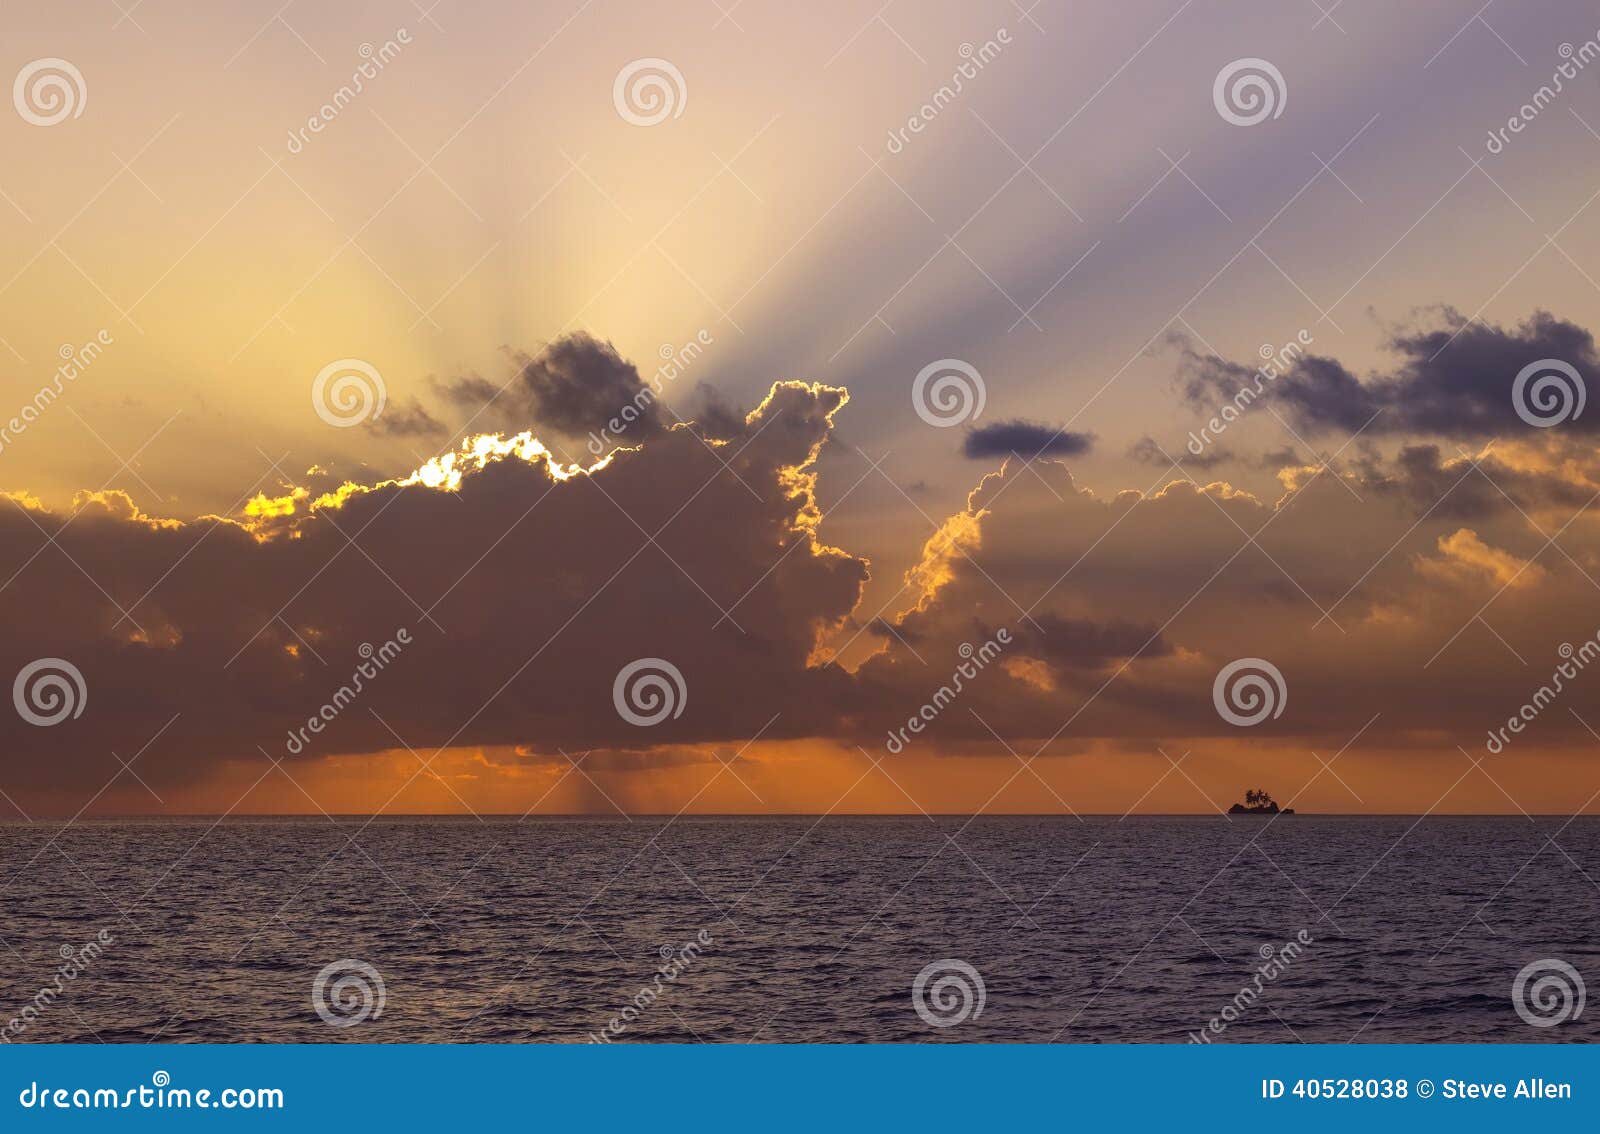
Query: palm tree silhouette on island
1258	802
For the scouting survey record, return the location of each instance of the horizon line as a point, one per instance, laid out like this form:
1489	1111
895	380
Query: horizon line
629	816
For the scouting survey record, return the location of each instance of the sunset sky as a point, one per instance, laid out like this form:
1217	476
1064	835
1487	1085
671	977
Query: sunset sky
484	230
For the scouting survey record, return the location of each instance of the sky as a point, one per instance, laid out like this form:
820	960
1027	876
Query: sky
459	375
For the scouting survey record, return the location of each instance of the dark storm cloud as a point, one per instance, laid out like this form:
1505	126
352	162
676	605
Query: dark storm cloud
578	383
1025	439
1453	380
575	386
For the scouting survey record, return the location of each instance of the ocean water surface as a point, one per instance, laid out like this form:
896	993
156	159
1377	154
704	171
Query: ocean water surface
792	929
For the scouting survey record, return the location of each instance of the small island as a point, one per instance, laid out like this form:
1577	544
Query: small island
1258	802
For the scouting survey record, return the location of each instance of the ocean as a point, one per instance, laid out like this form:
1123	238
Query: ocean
800	929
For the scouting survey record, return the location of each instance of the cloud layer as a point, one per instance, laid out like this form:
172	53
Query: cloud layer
1410	596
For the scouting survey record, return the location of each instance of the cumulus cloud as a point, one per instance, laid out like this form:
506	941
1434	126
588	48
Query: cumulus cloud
1372	596
1025	439
524	592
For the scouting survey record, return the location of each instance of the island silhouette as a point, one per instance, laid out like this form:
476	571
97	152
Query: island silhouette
1258	802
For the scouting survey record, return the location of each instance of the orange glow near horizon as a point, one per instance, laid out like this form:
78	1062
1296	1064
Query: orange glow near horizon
811	778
